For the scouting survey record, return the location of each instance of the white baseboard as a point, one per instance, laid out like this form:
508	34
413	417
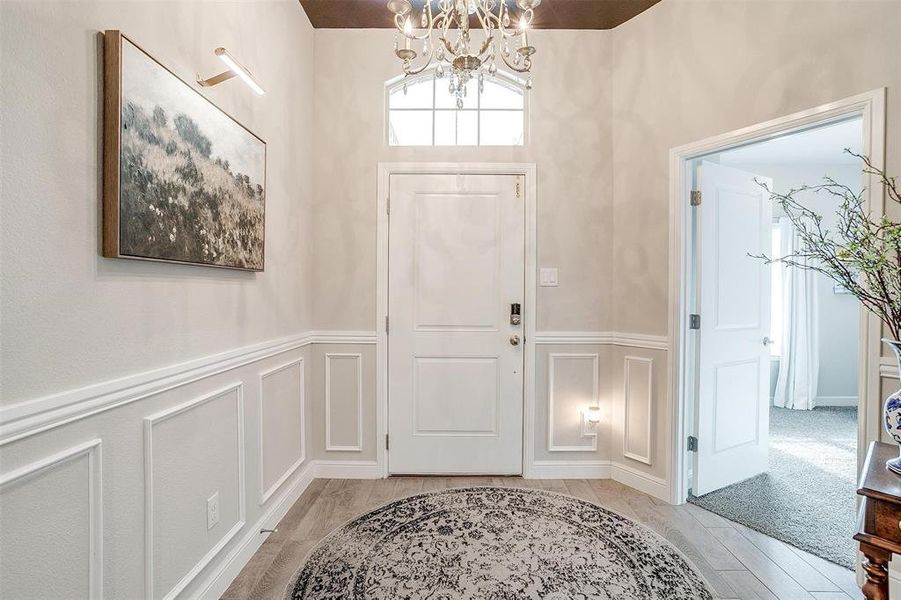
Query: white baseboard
348	469
836	401
232	564
569	469
649	484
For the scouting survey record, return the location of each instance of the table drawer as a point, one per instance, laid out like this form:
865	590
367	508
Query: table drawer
887	519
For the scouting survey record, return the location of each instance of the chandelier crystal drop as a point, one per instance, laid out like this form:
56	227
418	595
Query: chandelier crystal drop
455	50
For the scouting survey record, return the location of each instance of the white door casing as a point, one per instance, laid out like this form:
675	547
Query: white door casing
733	362
455	381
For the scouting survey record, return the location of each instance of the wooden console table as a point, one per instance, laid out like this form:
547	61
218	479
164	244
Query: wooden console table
879	519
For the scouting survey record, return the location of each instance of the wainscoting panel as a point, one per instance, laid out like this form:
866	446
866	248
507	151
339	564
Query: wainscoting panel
282	432
52	525
572	387
343	402
638	403
172	438
180	445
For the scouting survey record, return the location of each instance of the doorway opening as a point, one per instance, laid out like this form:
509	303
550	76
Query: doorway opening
773	368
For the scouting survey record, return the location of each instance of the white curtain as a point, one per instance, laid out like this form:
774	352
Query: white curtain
799	366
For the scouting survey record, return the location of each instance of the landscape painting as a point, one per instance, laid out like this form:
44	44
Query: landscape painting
183	181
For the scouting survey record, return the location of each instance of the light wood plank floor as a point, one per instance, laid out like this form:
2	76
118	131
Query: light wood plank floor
738	563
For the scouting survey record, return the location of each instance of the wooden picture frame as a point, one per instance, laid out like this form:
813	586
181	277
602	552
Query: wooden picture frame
183	181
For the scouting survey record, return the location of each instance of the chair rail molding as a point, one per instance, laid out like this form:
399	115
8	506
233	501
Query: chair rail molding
602	338
27	418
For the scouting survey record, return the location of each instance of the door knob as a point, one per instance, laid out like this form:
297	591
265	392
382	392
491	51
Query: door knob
767	341
514	340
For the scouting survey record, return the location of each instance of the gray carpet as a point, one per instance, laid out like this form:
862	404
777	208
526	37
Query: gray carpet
807	497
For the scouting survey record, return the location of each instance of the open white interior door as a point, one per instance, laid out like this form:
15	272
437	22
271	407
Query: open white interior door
735	220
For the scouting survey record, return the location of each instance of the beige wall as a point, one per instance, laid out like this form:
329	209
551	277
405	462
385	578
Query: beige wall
73	318
686	70
155	445
569	141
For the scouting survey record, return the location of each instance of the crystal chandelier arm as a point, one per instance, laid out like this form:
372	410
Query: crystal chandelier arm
399	23
509	32
409	70
526	64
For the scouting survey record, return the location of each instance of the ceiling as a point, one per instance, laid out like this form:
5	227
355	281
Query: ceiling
820	146
551	14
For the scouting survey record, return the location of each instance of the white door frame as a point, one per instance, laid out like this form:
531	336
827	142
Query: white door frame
871	107
528	172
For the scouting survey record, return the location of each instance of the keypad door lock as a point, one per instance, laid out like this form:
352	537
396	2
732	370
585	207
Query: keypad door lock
515	318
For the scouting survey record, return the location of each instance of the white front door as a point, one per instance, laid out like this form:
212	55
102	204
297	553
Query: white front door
733	366
455	268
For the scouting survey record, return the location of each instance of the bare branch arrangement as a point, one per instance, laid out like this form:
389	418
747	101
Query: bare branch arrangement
863	254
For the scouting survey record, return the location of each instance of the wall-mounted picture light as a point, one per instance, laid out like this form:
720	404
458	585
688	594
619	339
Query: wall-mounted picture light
234	69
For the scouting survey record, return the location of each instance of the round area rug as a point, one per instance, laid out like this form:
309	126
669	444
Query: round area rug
496	543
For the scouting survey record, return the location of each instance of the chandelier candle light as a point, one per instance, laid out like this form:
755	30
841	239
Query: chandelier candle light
464	59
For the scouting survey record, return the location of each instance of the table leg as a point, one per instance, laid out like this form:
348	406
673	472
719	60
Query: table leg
876	567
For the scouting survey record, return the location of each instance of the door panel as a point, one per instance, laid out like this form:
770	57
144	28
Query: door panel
733	361
456	264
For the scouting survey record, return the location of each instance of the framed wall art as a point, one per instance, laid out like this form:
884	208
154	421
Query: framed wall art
183	181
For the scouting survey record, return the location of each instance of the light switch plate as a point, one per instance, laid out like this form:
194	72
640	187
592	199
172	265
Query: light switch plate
547	277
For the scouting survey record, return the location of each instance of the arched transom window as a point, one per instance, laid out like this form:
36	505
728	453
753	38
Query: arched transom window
422	112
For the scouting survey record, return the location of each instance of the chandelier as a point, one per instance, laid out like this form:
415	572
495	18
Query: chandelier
464	58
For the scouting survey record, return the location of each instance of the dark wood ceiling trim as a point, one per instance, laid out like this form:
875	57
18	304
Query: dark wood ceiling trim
551	14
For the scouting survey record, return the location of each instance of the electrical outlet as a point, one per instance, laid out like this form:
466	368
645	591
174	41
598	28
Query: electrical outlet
212	510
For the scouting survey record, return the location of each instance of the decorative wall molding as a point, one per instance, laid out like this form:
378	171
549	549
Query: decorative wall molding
888	368
343	337
552	358
627	401
91	449
27	418
603	338
149	423
358	446
34	416
265	493
229	568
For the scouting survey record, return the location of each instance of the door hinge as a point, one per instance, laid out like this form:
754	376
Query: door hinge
692	443
386	442
517	187
696	197
694	321
386	323
388	205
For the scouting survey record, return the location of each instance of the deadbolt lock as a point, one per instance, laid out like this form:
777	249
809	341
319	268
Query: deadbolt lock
515	317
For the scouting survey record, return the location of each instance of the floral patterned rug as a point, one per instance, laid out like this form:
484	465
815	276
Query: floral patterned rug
495	543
